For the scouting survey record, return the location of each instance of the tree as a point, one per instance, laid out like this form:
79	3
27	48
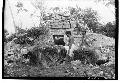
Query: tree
39	4
86	20
107	29
87	17
90	17
12	16
20	7
110	29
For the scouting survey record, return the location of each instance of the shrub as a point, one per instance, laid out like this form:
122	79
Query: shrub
109	29
85	55
50	53
23	40
32	56
10	38
35	32
41	55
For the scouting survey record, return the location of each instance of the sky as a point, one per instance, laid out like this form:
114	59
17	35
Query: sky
106	13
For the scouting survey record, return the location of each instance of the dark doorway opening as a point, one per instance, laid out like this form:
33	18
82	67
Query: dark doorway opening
59	40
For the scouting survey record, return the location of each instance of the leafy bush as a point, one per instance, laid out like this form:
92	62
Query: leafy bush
85	55
23	40
50	53
35	32
108	29
46	54
10	38
5	34
23	36
88	15
33	58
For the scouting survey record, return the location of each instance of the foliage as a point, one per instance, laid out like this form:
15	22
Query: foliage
63	70
5	31
20	7
46	54
108	29
10	38
24	36
23	40
21	31
5	34
50	56
35	32
27	37
86	56
88	16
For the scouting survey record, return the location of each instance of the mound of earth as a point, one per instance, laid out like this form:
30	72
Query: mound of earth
104	46
95	40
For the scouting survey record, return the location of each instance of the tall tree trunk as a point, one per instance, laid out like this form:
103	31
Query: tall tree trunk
12	17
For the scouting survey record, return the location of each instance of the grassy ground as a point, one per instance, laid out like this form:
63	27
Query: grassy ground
61	70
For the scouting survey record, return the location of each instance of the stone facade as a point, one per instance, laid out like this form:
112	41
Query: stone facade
59	24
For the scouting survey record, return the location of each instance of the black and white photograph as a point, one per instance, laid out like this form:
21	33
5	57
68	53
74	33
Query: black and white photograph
60	39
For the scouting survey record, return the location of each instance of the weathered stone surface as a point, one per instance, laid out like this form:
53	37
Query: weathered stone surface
104	46
99	40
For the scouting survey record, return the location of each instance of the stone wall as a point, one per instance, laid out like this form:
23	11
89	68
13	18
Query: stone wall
59	24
